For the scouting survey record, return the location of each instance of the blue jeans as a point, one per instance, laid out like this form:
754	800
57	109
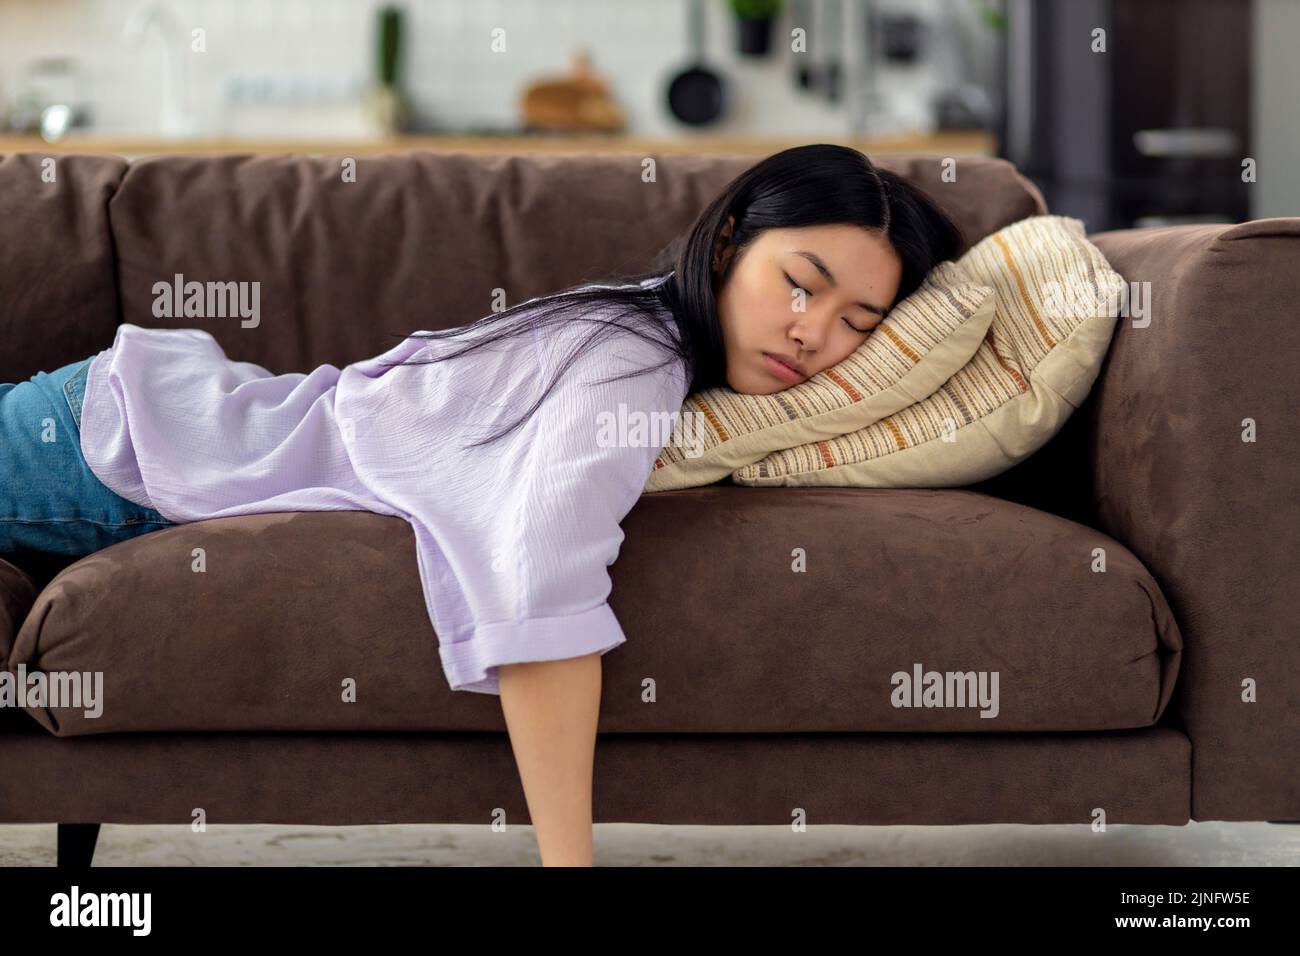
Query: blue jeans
50	500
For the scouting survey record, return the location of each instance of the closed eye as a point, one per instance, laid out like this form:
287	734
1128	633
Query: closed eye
795	285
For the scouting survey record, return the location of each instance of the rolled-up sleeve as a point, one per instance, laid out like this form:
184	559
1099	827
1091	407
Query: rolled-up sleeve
593	446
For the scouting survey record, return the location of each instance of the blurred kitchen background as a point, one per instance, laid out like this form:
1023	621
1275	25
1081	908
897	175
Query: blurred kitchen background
1152	131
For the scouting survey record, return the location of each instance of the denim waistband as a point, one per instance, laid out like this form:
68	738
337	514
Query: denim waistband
50	499
74	389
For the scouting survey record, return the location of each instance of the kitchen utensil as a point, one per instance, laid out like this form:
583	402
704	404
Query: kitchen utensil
832	28
801	16
698	95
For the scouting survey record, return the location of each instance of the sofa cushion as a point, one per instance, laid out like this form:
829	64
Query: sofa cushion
925	339
746	610
58	294
422	240
17	594
1057	302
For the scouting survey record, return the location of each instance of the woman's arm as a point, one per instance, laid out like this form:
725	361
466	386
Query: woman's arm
550	709
579	493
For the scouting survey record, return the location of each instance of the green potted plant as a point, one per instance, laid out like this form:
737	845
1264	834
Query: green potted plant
387	102
754	25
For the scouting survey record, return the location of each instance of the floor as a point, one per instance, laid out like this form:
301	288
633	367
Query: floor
1196	844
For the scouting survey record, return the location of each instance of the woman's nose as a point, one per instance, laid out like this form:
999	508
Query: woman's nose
810	331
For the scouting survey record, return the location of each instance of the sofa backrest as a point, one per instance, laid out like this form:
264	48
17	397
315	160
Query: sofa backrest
58	291
348	264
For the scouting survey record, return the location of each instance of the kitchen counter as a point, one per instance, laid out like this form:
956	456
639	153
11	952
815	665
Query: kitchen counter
957	142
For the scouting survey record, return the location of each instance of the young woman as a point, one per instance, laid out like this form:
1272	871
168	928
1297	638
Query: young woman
487	439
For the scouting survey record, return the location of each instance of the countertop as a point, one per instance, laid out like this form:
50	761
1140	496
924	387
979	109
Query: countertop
957	142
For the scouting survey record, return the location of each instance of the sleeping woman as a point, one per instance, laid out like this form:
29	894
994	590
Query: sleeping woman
488	439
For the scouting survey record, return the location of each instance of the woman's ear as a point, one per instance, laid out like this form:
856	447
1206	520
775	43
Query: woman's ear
722	248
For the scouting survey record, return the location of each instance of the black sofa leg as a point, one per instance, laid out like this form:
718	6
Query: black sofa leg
77	844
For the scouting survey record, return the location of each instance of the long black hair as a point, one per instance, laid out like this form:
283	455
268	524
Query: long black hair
814	185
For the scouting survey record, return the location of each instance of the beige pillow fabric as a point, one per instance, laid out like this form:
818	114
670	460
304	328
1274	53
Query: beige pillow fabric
923	341
1057	302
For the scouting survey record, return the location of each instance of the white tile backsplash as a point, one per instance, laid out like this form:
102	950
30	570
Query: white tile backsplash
450	71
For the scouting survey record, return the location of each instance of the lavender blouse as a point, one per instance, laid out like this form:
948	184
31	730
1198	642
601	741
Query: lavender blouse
513	539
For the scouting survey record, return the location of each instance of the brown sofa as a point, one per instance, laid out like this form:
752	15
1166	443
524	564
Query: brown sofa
1119	692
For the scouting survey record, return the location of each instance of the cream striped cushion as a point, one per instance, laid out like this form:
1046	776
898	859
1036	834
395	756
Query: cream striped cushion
1057	302
923	341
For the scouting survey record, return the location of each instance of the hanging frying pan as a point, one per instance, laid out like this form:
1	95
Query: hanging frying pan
697	95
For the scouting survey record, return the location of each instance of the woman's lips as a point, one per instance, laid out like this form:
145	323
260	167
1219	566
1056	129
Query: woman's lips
782	371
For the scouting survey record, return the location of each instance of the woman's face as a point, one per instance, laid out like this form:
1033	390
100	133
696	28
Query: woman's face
811	295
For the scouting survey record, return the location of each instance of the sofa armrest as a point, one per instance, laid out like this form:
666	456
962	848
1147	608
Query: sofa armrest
1215	517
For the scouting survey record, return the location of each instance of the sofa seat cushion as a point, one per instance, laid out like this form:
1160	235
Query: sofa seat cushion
746	610
17	593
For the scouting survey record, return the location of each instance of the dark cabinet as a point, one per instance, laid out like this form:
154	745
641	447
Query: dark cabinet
1152	131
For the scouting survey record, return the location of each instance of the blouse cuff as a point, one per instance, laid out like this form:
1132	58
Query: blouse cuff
471	664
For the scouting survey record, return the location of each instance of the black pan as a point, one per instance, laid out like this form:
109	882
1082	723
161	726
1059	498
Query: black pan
697	95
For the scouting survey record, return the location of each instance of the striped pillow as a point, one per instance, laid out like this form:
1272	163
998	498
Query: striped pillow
1057	302
924	340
